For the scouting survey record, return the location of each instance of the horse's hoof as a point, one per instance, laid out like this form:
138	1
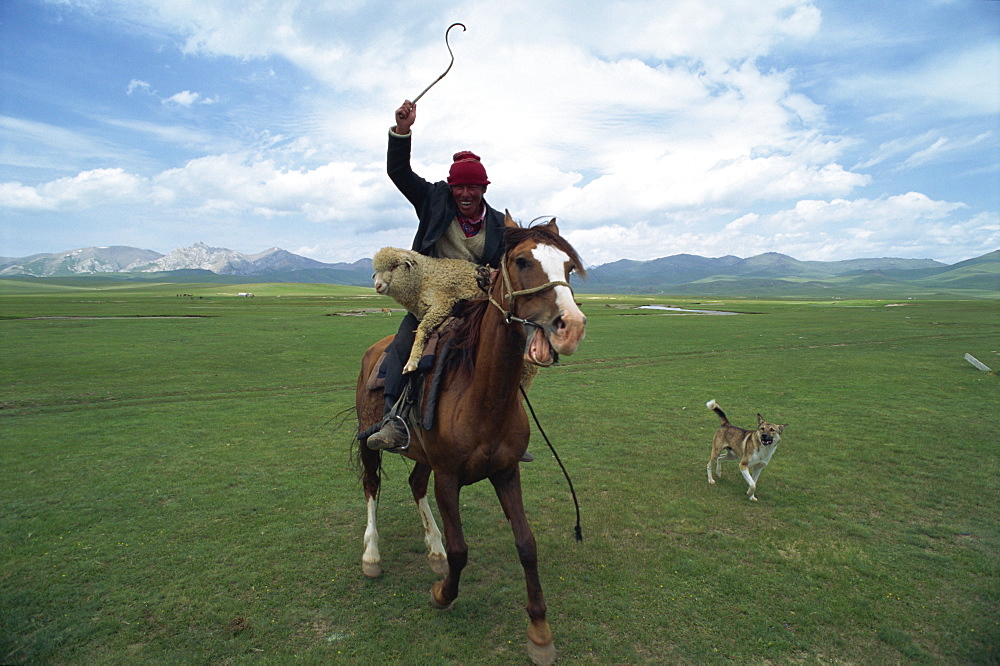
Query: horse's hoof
541	647
439	564
436	599
543	655
372	569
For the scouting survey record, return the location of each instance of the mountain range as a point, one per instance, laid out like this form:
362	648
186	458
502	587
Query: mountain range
121	259
769	274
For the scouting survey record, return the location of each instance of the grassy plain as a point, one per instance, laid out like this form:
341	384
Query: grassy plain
176	486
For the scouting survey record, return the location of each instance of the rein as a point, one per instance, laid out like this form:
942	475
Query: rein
509	295
577	530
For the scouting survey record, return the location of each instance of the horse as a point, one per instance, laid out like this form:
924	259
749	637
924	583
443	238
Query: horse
480	430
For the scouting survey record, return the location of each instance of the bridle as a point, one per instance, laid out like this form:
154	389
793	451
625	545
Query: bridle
509	295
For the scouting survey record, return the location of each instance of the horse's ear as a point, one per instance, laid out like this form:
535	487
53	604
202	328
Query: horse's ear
553	227
508	221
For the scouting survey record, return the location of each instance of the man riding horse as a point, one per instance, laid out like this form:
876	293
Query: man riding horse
480	430
455	222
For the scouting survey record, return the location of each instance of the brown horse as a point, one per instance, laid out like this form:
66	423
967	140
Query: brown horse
480	430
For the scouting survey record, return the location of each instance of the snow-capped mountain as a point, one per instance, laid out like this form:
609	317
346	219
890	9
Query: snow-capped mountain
84	261
91	260
229	262
201	256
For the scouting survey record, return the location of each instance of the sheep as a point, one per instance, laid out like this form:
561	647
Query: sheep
427	287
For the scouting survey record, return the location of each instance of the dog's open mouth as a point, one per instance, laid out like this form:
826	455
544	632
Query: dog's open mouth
766	439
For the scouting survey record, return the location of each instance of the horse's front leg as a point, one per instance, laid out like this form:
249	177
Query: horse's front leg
507	483
446	491
371	560
432	535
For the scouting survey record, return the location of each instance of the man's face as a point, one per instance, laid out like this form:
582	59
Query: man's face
468	198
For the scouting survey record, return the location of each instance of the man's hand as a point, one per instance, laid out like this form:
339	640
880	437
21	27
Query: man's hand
406	115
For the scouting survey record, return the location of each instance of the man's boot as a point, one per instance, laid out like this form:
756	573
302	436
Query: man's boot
393	434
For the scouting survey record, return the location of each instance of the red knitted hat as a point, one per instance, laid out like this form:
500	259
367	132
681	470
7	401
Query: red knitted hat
467	170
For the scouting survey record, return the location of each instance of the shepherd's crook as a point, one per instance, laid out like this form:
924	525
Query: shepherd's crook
449	64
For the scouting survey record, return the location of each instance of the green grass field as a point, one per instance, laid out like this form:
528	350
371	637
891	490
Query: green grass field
176	486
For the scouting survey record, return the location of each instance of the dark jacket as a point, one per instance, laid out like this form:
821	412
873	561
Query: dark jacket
434	204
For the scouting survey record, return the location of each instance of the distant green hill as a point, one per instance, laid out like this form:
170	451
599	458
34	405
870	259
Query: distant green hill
770	275
774	275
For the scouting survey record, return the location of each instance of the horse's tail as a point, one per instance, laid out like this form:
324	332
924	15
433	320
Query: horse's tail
355	453
367	462
714	406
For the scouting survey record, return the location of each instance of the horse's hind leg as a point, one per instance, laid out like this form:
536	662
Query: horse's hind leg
446	491
368	404
432	535
371	560
507	483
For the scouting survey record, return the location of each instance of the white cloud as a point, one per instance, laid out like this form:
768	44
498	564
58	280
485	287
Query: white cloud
136	84
83	191
908	225
959	82
924	149
176	134
649	127
890	149
259	186
243	184
183	98
942	149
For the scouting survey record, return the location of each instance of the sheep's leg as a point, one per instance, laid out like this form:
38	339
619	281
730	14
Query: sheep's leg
419	340
433	318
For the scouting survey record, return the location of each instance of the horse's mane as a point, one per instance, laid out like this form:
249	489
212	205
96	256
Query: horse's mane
465	334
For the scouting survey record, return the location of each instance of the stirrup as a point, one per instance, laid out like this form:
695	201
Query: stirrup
399	411
395	417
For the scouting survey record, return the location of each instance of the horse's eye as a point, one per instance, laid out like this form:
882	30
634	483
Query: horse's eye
522	263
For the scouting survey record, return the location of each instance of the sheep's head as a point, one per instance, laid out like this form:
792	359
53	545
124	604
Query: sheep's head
391	264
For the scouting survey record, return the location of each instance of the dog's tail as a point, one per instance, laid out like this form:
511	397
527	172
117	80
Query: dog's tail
714	406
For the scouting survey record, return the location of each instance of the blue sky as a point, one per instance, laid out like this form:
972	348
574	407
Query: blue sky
823	130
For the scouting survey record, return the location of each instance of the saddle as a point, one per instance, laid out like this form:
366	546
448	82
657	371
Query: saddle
432	359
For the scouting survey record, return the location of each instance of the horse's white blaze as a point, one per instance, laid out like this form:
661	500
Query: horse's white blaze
432	537
553	263
371	561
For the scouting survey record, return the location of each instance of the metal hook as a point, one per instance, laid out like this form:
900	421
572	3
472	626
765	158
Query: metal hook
449	64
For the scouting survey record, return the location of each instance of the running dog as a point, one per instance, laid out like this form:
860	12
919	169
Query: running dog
753	448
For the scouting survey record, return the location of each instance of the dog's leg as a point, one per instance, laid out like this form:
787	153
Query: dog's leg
709	467
750	480
756	473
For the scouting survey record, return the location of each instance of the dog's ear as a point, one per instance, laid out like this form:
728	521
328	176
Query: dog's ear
781	427
760	419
